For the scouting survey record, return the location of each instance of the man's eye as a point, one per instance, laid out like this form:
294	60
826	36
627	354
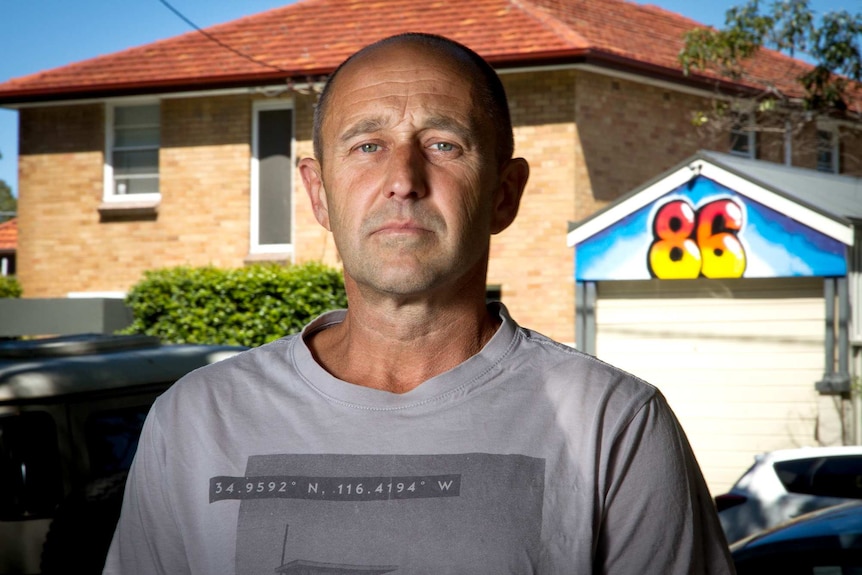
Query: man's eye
443	146
368	148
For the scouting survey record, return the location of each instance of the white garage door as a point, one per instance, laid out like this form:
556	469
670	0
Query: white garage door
737	360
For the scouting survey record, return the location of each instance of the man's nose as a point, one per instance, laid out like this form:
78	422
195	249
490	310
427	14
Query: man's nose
405	172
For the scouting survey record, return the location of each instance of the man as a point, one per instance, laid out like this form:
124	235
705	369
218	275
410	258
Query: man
419	431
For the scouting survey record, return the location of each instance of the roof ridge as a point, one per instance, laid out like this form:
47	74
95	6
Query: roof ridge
551	22
667	13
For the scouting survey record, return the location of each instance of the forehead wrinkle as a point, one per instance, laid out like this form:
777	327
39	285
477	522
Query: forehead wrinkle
409	82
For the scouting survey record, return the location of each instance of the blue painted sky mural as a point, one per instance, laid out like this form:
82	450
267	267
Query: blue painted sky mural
704	229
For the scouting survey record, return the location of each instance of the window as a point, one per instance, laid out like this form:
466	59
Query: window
272	178
132	166
836	476
7	264
827	151
30	471
742	138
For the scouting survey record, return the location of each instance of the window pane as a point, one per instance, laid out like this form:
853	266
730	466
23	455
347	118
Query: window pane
137	115
825	152
275	169
137	186
127	137
739	143
136	162
742	136
135	153
839	476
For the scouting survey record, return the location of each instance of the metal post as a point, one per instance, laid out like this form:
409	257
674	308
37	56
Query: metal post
590	318
843	328
829	300
580	308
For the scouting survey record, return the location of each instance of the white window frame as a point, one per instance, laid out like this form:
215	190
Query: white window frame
744	129
109	195
834	148
855	287
255	246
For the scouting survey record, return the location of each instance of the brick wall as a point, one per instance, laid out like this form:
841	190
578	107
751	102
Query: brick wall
530	260
851	151
202	219
630	133
60	185
205	183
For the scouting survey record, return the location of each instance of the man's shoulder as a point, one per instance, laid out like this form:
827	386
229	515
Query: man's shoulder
562	365
278	350
251	367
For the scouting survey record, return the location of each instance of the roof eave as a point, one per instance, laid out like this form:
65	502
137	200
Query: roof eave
718	85
593	57
619	63
124	89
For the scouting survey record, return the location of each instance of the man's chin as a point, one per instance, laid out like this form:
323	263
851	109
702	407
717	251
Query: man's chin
407	286
398	281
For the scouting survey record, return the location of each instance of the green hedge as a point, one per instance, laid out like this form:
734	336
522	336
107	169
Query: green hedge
9	287
245	306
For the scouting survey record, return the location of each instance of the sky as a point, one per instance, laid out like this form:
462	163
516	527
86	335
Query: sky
42	34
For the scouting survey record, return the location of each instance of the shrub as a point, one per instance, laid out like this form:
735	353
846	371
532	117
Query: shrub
9	287
244	306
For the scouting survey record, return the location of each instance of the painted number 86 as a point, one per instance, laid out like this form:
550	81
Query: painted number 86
691	244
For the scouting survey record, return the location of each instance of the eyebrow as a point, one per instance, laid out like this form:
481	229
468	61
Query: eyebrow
447	124
364	126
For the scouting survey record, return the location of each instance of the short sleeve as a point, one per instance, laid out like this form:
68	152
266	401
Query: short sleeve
657	513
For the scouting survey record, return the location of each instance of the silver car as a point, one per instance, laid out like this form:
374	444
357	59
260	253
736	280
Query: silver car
787	483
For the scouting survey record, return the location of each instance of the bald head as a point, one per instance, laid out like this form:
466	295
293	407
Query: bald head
488	90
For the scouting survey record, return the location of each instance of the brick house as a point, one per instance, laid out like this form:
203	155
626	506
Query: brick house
165	154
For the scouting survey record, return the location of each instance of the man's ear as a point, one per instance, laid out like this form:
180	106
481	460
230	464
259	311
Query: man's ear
309	169
513	180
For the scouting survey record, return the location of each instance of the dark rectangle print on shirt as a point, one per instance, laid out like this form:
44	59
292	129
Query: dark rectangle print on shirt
326	514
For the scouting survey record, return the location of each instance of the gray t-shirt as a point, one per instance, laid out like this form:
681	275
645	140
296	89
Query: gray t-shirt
529	457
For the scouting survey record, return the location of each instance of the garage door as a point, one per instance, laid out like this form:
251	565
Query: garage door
736	359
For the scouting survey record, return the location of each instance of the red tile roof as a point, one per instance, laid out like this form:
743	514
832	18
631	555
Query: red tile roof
9	235
309	38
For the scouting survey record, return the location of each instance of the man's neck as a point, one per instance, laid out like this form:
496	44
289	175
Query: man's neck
397	348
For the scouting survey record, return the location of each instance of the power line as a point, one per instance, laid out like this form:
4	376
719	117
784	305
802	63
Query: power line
240	53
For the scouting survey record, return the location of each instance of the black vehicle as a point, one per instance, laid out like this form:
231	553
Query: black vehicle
71	411
824	542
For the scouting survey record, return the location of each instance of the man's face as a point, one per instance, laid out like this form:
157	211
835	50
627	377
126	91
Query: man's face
409	182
